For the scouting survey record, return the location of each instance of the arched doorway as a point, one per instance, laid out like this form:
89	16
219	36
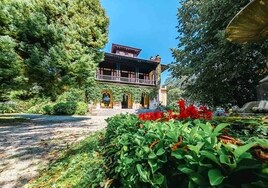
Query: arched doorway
144	101
107	99
126	101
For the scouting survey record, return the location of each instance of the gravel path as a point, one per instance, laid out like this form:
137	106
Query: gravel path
27	146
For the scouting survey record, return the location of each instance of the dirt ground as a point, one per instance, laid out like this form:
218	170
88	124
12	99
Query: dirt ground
27	146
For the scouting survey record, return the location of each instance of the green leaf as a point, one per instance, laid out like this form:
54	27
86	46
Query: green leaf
128	160
197	178
225	159
242	149
210	156
158	179
196	148
207	128
185	169
152	155
194	131
154	165
143	174
178	154
221	126
215	177
160	152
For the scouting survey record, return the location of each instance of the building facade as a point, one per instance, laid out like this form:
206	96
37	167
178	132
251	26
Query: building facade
129	82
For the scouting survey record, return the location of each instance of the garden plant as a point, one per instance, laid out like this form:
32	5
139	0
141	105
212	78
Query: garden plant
169	149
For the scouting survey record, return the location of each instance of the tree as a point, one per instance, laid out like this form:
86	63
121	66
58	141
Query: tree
58	42
11	67
218	71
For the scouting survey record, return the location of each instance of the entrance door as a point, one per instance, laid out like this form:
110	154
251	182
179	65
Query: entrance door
125	101
144	101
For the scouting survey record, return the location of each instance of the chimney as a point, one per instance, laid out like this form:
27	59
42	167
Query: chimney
157	58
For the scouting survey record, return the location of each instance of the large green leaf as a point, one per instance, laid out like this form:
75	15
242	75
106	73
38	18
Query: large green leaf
152	155
242	149
207	128
160	152
196	148
158	179
215	177
185	169
225	159
221	126
210	156
178	154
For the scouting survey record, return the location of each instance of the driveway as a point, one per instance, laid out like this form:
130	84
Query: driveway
27	146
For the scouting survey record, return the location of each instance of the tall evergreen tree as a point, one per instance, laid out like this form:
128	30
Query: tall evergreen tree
58	41
218	71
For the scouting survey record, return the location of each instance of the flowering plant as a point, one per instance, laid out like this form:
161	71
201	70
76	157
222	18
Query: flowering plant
191	112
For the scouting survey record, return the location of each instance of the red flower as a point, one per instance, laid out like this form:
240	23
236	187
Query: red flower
185	112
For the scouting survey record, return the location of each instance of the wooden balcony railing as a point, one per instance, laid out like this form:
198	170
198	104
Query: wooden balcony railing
125	79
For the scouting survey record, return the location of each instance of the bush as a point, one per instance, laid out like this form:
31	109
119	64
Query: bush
65	108
73	95
176	154
36	105
244	127
49	109
174	108
14	106
81	108
7	107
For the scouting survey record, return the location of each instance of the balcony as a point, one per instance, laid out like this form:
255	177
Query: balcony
109	78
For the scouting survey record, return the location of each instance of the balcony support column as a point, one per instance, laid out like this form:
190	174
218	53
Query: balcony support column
137	74
118	71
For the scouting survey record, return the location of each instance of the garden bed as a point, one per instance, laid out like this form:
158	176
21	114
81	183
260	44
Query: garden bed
174	153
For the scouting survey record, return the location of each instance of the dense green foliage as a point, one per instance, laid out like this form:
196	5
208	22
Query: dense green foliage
68	103
245	127
178	154
7	108
50	44
217	71
159	154
94	93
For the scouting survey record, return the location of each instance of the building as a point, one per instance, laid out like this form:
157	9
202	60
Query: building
128	82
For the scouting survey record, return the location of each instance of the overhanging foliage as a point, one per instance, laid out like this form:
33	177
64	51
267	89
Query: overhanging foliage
218	71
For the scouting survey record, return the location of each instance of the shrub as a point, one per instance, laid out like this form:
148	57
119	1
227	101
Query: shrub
7	107
81	108
64	108
244	127
49	109
73	95
37	104
14	106
175	154
172	107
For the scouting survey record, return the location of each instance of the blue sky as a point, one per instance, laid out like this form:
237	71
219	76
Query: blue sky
146	24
